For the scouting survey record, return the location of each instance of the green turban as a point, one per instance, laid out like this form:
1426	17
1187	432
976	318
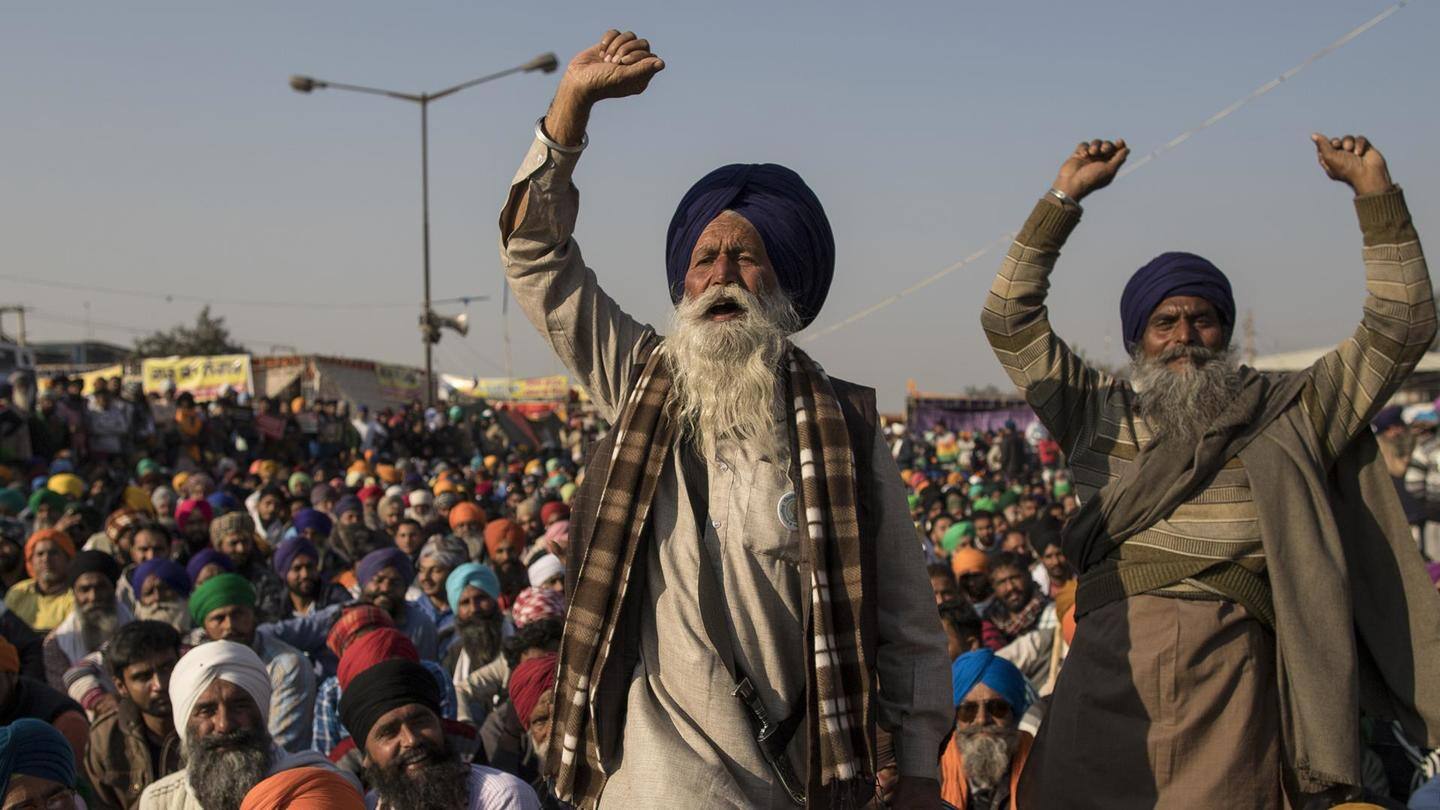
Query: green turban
913	500
976	491
984	505
1007	498
956	534
1062	489
53	499
221	590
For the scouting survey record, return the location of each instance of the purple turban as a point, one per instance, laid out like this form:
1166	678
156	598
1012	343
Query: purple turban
1167	275
167	570
783	210
375	561
288	550
313	519
349	503
204	557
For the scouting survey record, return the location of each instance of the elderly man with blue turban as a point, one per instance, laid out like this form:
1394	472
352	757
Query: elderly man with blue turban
37	765
743	525
1240	540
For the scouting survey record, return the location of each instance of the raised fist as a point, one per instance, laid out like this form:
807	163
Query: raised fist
1091	166
619	65
1354	161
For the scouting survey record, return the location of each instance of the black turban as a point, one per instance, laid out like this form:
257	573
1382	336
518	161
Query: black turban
384	687
784	211
87	562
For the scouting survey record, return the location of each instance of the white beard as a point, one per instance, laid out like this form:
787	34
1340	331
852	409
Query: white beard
725	373
1183	404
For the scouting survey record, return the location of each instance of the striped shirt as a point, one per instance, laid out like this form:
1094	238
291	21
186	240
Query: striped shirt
1093	415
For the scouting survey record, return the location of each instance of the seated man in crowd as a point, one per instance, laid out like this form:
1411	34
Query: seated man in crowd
438	557
234	536
223	609
96	617
37	768
162	591
1019	607
135	744
297	562
474	590
547	572
393	710
21	697
44	600
980	766
532	698
964	629
148	541
220	693
384	576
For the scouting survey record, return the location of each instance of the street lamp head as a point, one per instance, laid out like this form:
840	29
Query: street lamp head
303	84
545	63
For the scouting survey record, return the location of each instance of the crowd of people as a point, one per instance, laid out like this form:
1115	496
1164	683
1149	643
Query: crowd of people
206	625
713	591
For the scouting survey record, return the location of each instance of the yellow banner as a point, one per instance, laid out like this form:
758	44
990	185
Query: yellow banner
400	383
201	376
555	388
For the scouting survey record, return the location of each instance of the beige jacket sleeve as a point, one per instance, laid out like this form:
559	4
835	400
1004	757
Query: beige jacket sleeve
912	657
585	328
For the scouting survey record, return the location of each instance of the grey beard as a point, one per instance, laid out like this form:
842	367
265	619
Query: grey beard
98	625
174	614
481	639
221	769
987	752
724	374
1180	405
443	783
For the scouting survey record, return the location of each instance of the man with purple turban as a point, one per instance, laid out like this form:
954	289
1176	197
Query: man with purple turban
1248	582
384	576
754	532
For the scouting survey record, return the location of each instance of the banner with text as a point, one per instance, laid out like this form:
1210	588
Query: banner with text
555	388
201	376
400	383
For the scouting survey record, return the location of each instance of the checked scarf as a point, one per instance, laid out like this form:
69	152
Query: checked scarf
839	714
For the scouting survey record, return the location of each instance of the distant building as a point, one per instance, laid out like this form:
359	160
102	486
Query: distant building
79	353
1422	386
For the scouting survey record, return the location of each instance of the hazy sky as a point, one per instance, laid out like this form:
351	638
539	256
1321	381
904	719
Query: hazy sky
157	148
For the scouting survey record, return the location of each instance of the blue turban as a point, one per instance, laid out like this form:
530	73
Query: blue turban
204	557
983	666
288	550
471	574
783	210
372	564
348	503
166	569
308	518
223	503
1167	275
29	747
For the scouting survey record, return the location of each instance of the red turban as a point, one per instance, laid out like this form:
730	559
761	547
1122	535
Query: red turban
556	510
55	536
503	531
529	682
370	493
354	620
372	648
304	789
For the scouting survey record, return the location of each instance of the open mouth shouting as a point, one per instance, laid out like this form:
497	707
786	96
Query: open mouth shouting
724	310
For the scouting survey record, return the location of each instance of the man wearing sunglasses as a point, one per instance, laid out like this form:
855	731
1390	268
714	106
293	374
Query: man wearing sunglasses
980	767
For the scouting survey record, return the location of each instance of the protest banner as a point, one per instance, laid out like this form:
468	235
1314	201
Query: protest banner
201	376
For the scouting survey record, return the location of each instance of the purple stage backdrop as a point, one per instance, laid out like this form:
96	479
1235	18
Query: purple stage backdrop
976	415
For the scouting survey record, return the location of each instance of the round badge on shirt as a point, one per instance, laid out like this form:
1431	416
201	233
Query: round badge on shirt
785	509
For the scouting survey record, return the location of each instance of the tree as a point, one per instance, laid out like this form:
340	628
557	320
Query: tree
208	336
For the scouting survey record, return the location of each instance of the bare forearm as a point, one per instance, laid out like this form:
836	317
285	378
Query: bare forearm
568	116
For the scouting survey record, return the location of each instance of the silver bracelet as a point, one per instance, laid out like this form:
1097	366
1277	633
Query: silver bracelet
1065	199
550	142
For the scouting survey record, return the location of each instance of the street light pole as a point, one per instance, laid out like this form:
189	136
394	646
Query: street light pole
429	330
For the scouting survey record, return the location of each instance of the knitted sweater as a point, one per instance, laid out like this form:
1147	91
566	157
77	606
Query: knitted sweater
1094	417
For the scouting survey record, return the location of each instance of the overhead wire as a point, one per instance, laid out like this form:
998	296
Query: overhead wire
1133	167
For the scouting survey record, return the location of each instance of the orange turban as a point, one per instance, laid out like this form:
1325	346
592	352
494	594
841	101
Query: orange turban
9	657
304	789
55	536
504	531
968	560
387	473
466	512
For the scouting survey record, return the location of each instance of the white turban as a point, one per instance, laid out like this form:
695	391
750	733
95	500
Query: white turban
547	567
225	660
